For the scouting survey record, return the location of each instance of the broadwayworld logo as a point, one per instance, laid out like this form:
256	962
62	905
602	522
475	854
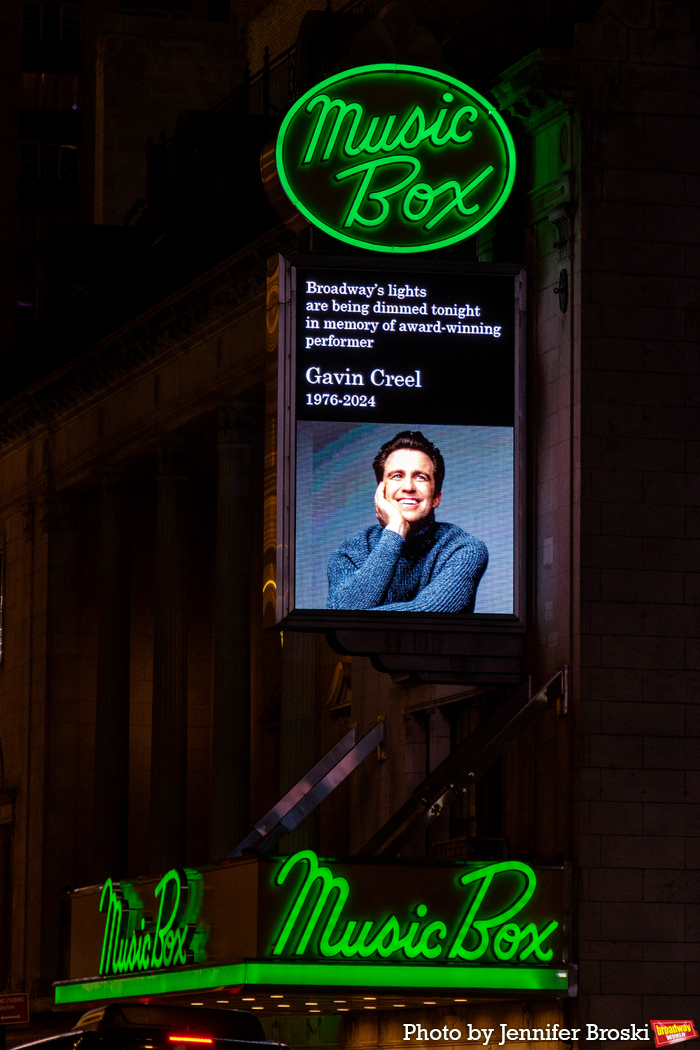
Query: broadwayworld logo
667	1032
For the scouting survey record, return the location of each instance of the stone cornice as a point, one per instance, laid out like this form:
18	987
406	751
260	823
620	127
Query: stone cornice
221	293
544	79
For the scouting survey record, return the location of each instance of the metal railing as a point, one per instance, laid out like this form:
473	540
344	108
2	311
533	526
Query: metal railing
268	92
526	23
271	90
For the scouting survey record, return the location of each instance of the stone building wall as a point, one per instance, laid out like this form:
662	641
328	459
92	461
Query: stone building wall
611	195
50	480
640	753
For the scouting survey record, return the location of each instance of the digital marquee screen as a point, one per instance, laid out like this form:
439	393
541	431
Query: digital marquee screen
404	439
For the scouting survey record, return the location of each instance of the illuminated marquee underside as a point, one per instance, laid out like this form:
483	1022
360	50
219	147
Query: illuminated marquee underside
298	922
389	978
395	158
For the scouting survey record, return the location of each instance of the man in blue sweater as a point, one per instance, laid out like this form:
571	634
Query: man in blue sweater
409	562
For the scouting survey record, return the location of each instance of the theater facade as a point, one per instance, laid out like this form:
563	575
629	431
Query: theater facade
470	820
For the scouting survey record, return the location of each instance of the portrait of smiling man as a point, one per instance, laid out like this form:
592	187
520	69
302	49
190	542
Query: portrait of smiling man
408	562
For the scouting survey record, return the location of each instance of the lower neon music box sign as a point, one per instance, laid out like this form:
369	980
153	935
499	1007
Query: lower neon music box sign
299	921
395	158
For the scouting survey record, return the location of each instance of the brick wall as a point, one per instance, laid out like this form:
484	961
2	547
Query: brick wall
640	622
276	26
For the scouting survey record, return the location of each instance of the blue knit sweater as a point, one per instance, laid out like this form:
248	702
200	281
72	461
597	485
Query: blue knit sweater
436	570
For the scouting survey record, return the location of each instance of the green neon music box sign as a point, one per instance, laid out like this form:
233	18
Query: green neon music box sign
395	158
304	922
491	923
134	941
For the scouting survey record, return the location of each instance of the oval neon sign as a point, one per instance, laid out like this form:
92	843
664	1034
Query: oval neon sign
395	158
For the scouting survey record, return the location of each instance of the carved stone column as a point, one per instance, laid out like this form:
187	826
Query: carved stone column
169	720
112	710
230	782
299	727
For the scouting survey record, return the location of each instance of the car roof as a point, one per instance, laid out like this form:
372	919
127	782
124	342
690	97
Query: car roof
232	1024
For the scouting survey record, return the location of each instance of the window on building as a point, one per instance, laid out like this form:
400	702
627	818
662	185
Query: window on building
69	167
31	21
47	162
30	91
51	22
70	23
53	91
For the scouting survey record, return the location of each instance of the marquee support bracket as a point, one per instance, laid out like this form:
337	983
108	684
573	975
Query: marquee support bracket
467	763
316	785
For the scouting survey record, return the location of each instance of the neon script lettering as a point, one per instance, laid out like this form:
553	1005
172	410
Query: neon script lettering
396	158
370	207
360	132
134	942
316	924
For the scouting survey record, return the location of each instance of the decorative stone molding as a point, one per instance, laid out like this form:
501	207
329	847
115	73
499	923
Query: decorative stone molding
551	200
235	425
540	91
562	220
545	80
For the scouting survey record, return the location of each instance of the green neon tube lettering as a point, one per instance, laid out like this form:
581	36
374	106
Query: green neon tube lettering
365	946
379	196
433	929
112	924
365	143
412	132
327	884
507	941
145	954
169	948
538	936
335	133
453	134
357	940
319	902
402	141
410	949
459	195
346	946
386	940
432	133
127	947
120	956
132	957
342	109
421	191
481	927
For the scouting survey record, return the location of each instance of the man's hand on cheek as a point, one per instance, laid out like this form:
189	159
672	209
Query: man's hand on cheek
388	514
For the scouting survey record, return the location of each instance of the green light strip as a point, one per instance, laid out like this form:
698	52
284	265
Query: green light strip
147	984
353	975
317	975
